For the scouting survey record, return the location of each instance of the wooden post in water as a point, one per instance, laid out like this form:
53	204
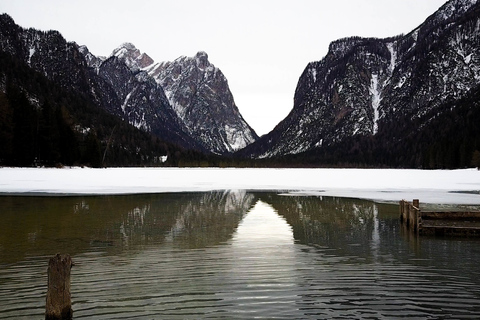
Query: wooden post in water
416	203
59	302
401	207
418	216
410	216
406	211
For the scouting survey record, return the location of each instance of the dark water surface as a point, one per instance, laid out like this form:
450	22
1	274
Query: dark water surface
232	255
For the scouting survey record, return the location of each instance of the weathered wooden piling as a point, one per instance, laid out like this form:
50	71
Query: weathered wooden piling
410	214
59	302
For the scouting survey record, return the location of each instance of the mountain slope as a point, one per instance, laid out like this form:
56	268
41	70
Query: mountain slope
364	87
55	107
42	123
122	85
199	93
139	100
70	67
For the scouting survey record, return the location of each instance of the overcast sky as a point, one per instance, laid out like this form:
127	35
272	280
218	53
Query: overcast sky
262	47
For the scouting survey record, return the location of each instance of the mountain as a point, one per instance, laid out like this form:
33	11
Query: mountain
121	85
42	123
367	99
135	97
108	85
199	93
196	90
59	104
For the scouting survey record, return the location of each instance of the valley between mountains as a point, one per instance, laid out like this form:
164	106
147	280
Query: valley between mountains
411	100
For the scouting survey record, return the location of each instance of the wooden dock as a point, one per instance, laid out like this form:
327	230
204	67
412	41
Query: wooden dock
448	223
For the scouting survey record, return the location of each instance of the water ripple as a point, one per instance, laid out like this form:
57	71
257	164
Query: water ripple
261	271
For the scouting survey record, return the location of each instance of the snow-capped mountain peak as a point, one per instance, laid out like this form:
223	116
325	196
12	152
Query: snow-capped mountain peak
196	90
199	94
201	58
132	56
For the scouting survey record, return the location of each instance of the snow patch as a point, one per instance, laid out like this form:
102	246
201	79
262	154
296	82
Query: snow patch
124	105
313	72
31	52
468	58
393	56
401	82
236	139
375	91
430	186
141	124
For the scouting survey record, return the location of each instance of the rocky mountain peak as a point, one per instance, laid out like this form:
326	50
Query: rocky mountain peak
199	94
132	56
92	60
144	60
453	9
201	59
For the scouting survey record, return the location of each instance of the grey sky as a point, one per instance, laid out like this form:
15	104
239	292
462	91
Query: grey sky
261	46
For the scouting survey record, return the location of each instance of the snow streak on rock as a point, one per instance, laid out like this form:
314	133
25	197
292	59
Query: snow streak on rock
363	84
376	99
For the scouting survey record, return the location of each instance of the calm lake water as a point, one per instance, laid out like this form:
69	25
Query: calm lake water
232	255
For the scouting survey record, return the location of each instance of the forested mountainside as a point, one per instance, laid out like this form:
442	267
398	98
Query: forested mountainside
58	85
56	110
405	101
42	123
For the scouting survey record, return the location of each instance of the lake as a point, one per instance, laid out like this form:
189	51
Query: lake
232	255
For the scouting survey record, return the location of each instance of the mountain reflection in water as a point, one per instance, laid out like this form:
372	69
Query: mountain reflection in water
232	254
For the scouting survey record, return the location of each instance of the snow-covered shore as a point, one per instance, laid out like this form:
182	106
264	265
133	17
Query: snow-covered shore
432	186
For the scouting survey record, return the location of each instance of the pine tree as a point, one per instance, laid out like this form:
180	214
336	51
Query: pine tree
476	159
92	153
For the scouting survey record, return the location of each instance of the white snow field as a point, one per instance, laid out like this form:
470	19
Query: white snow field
430	186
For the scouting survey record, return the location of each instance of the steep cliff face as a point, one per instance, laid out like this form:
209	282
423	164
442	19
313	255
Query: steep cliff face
199	94
364	86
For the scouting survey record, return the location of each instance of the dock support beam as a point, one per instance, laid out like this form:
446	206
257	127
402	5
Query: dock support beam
410	214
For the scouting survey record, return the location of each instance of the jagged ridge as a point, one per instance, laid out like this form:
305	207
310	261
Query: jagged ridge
197	91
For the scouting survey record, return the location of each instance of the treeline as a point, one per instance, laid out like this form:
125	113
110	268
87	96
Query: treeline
42	124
